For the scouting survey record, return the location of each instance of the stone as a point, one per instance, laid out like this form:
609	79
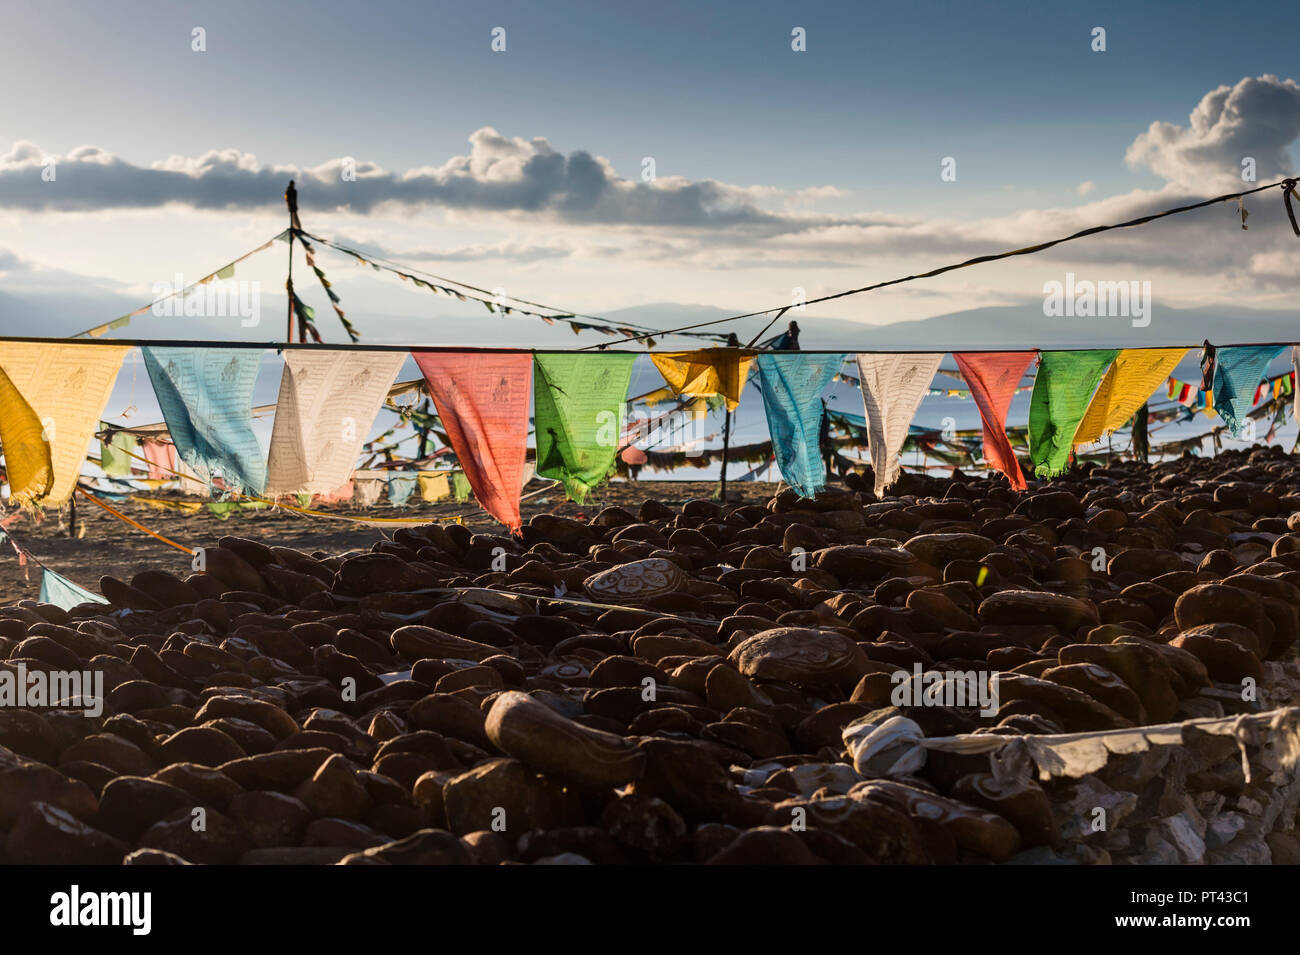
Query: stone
153	857
984	833
888	836
47	835
270	819
24	784
548	742
939	550
766	845
131	804
209	787
281	771
637	580
1021	607
266	715
218	841
343	834
859	562
112	751
335	789
646	825
426	847
503	789
800	655
1225	661
1143	668
204	745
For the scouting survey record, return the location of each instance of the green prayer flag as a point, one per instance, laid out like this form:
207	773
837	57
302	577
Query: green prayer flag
115	455
1062	391
577	403
228	272
460	485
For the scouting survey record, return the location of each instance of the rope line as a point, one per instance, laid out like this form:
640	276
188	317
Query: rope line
1288	190
136	524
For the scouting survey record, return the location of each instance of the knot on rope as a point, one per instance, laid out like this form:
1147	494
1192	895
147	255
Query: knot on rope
1288	190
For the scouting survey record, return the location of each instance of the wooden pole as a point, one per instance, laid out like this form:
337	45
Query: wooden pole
726	444
288	290
424	434
291	200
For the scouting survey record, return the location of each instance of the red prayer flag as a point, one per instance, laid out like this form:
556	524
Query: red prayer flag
482	399
993	378
161	456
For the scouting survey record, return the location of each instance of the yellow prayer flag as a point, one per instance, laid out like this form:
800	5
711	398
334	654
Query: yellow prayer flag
706	371
56	394
158	504
27	453
1133	377
657	397
434	485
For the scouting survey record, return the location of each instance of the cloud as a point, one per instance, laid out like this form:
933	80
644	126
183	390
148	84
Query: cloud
500	174
1259	118
556	207
513	251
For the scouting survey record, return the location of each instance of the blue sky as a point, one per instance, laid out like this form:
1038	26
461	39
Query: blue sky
827	160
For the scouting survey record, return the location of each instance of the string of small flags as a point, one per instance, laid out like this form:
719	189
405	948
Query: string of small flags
469	293
847	378
1191	394
310	253
227	271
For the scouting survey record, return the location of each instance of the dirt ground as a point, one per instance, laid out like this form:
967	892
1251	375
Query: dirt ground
104	545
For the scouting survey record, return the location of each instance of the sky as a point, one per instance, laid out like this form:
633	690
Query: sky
662	157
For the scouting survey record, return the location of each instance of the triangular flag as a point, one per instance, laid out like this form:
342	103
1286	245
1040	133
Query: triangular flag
578	403
705	372
482	399
327	403
61	592
994	378
1131	380
1237	371
893	387
206	396
66	387
1062	390
27	453
792	385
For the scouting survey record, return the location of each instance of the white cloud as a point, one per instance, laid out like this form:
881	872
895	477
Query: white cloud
1258	118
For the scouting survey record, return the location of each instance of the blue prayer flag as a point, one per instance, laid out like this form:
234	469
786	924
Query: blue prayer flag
61	592
1236	376
206	395
792	384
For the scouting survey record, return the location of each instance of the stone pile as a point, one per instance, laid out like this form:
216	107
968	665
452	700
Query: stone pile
674	685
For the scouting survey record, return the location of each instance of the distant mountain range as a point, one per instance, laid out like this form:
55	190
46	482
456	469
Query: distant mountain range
1005	326
999	327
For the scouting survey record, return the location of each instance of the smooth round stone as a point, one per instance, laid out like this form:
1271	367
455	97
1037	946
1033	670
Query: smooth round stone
799	655
1033	607
940	549
637	580
543	739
